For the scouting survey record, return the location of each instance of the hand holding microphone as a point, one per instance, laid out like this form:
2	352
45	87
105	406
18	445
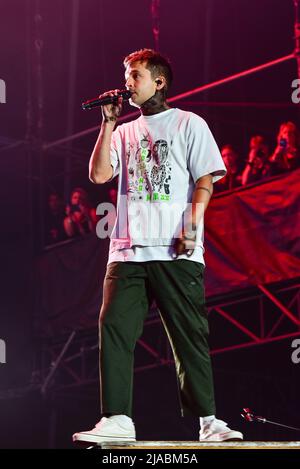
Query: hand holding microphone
110	102
112	110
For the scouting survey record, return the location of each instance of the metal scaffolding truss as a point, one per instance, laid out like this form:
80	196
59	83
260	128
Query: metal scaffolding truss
260	316
267	315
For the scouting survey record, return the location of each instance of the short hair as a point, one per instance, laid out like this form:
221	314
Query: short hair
83	196
155	63
256	140
229	147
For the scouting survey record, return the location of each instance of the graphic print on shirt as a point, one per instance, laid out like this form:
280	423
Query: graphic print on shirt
149	170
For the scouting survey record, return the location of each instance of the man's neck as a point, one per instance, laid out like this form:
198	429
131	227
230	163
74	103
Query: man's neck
154	105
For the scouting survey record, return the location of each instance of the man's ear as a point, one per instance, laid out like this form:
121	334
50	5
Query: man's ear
160	83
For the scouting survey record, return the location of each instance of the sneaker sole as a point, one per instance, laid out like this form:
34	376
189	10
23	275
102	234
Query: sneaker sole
78	437
232	436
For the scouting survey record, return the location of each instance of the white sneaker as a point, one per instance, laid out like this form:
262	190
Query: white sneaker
217	430
114	428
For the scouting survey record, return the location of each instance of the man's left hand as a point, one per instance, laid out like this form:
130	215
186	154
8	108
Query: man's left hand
185	244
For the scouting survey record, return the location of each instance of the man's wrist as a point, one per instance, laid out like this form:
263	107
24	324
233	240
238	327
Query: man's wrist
110	119
190	232
189	235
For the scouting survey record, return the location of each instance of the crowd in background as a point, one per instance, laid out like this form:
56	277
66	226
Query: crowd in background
79	217
260	163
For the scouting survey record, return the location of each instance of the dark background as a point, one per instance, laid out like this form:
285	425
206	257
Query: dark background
54	55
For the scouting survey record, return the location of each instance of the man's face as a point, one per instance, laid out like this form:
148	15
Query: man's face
75	199
140	82
229	158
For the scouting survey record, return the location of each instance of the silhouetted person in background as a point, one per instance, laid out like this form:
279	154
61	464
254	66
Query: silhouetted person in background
232	179
81	216
55	214
286	156
257	165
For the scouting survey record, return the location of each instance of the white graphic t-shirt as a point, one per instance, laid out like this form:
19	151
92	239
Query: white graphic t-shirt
158	159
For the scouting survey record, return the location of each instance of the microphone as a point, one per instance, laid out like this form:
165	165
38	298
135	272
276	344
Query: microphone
249	417
97	102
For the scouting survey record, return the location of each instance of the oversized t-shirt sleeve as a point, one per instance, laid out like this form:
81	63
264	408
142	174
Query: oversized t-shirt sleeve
203	155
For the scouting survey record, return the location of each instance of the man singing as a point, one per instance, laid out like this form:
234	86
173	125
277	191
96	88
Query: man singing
167	161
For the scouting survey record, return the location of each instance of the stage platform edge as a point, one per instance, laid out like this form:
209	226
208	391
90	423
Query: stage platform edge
187	445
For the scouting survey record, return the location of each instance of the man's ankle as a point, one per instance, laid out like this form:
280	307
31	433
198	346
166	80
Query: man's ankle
112	414
207	419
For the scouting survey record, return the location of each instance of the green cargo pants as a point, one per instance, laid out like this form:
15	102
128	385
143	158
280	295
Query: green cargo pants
177	287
